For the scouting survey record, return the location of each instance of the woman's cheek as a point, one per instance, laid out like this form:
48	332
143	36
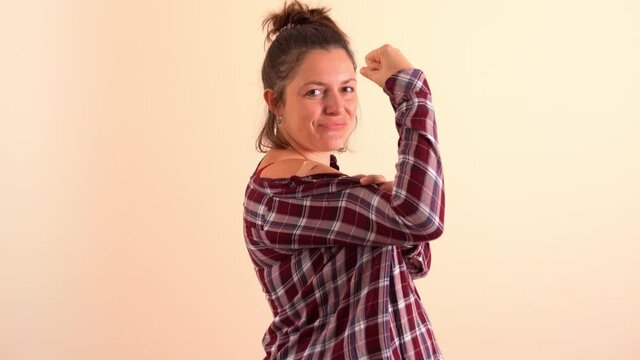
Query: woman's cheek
353	104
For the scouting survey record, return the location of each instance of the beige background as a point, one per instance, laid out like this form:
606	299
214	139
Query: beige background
126	140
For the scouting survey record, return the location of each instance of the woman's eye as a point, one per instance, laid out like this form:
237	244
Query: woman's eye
314	92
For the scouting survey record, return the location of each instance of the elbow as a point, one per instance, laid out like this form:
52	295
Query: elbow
435	234
427	233
425	225
420	221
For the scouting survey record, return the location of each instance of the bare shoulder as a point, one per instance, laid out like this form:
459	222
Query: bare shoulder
287	168
312	168
280	163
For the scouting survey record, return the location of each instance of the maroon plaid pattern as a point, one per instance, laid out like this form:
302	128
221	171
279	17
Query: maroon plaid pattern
337	260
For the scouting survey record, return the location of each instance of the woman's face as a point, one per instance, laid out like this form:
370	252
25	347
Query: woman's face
320	102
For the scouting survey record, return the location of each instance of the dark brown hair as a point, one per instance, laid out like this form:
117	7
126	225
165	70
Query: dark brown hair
292	33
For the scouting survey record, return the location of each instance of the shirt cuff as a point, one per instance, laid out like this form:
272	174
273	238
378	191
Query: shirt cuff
417	259
405	85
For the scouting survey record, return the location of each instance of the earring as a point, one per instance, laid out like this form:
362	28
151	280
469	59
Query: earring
279	120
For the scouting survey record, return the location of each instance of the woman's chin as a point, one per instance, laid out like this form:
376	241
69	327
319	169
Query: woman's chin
335	146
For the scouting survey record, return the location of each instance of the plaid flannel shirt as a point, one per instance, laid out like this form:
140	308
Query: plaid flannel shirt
337	259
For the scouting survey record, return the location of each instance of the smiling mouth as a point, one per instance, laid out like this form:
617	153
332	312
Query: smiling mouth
332	126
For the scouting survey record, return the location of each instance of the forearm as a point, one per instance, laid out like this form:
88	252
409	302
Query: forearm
418	193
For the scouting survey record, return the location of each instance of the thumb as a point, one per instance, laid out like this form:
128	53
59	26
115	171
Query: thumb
372	74
369	72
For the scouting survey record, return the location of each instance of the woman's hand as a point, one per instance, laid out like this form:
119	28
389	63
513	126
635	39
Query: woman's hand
376	180
384	62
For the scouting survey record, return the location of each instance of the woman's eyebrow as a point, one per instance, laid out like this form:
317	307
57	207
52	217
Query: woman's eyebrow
324	84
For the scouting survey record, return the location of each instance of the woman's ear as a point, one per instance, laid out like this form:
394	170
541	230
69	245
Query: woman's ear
272	102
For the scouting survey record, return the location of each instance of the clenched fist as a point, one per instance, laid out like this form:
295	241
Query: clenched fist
384	62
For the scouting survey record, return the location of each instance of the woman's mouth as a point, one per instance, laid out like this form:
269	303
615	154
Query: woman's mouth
334	125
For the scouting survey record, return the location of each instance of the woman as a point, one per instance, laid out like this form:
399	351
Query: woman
336	255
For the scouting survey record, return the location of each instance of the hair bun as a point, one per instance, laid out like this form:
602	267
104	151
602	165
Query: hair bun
294	14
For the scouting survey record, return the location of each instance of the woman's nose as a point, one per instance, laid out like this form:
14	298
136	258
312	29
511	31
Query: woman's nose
333	103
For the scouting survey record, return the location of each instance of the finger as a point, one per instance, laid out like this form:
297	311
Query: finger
375	55
388	186
368	180
372	61
372	179
380	179
372	57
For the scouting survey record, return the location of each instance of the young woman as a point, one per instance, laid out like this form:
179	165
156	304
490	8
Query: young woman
336	255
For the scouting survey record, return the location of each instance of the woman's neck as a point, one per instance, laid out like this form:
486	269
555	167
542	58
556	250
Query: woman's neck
320	157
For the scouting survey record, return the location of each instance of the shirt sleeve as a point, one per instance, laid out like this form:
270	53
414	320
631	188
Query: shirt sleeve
417	259
350	213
